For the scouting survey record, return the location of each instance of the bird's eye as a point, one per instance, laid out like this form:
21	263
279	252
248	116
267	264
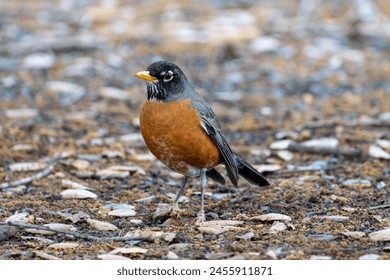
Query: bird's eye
168	76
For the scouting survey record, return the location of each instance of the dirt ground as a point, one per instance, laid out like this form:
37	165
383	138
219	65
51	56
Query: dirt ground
278	74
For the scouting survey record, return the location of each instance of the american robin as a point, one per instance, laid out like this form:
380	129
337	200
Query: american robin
180	129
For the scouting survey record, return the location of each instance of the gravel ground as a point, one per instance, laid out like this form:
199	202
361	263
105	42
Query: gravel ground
301	89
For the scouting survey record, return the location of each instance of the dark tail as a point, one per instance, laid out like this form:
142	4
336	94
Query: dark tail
249	173
214	174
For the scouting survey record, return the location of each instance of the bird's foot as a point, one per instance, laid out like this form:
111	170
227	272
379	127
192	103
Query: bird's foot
172	210
200	218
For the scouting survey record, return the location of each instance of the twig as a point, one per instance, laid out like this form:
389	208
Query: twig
344	151
379	207
52	163
27	180
79	235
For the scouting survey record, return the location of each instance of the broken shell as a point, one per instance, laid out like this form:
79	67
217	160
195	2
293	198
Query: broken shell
277	226
80	194
354	234
369	257
131	250
380	235
384	144
22	113
101	225
20	218
112	257
281	144
221	223
285	155
74	185
172	256
122	213
322	143
64	245
336	218
80	164
57	226
377	152
271	217
45	256
26	166
357	183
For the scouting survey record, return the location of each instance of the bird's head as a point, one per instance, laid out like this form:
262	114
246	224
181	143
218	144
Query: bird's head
165	81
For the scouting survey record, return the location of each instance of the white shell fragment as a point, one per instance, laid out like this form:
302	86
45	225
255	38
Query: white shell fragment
57	226
384	144
271	217
281	144
369	257
146	232
112	257
377	152
131	250
45	256
285	155
110	173
73	185
322	143
268	167
320	258
38	61
277	226
218	226
115	206
39	231
357	183
336	218
64	245
20	218
172	256
122	213
22	113
26	166
380	235
354	234
101	225
77	193
246	236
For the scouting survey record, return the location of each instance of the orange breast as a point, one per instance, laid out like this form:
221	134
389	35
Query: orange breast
173	133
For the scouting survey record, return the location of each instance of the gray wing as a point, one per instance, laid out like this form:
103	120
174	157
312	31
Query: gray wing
212	127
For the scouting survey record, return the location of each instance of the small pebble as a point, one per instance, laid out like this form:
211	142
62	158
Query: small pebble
281	144
321	143
38	61
322	258
22	113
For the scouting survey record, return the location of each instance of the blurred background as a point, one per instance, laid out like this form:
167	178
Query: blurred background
66	62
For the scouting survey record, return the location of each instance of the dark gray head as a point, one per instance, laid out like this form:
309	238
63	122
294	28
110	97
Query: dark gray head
165	81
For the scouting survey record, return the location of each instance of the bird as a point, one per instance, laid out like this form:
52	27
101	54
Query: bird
181	130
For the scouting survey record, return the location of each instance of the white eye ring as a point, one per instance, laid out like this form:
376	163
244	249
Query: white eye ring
167	76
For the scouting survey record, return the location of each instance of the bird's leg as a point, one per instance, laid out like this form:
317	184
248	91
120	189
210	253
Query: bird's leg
203	182
174	208
180	193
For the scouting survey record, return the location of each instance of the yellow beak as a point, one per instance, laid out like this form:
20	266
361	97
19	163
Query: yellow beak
145	75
